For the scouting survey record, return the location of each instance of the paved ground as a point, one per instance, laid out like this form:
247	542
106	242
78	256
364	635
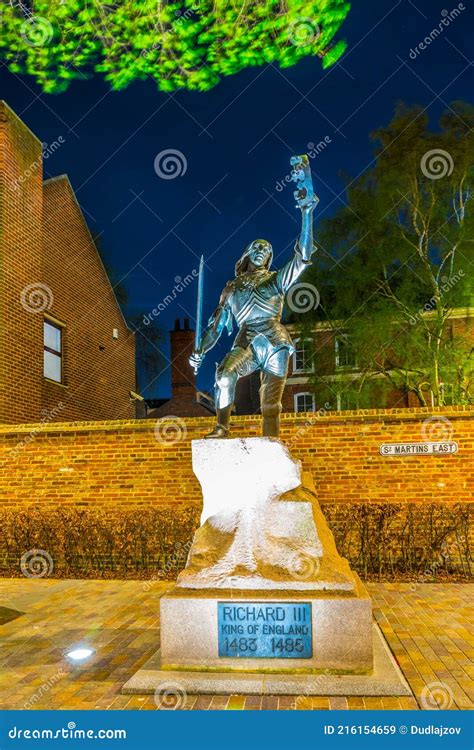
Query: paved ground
427	630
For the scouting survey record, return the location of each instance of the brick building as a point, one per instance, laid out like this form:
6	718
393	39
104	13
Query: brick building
323	374
66	352
186	400
324	370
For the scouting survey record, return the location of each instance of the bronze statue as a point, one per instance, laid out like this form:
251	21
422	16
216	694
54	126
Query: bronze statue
255	298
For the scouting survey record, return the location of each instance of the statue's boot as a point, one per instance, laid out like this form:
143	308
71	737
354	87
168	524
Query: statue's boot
271	392
221	430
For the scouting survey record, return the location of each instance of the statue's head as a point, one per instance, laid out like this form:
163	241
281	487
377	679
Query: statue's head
259	253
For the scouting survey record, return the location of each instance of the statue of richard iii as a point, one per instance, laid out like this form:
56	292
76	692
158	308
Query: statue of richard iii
255	298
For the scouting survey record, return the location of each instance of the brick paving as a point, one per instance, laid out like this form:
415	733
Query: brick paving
428	630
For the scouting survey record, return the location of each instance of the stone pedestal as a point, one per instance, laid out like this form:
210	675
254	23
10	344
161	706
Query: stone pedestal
340	631
264	591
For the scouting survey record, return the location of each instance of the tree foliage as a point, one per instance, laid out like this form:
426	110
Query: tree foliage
188	44
396	259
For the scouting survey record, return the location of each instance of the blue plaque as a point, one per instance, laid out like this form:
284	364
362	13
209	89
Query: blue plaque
265	630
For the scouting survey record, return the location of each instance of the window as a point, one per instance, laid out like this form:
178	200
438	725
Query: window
303	356
345	354
52	360
347	400
304	402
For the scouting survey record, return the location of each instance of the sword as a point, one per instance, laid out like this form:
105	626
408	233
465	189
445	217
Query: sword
198	334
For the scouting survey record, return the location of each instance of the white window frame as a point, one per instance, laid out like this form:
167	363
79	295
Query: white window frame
338	402
336	353
302	369
304	393
58	353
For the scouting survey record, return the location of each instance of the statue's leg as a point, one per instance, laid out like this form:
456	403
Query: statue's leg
273	379
236	363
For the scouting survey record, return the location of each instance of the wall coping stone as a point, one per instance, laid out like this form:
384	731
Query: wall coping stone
365	416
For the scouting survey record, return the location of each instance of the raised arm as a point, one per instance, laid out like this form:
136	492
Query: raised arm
306	235
221	318
304	248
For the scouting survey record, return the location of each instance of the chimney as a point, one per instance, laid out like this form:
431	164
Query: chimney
183	379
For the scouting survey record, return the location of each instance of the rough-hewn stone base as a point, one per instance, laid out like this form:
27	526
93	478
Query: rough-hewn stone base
385	679
261	525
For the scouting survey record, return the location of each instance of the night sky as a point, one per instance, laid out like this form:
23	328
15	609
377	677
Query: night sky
236	140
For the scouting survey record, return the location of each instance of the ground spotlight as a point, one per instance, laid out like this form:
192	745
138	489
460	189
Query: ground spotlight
79	654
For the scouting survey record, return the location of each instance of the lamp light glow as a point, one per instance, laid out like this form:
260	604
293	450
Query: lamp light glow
80	654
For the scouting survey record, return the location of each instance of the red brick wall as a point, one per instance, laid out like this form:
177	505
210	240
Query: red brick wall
45	243
128	464
183	401
183	379
99	371
21	354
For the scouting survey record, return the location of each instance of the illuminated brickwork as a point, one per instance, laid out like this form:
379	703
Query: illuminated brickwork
148	462
49	267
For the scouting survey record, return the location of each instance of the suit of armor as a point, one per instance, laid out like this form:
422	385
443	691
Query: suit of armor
255	299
